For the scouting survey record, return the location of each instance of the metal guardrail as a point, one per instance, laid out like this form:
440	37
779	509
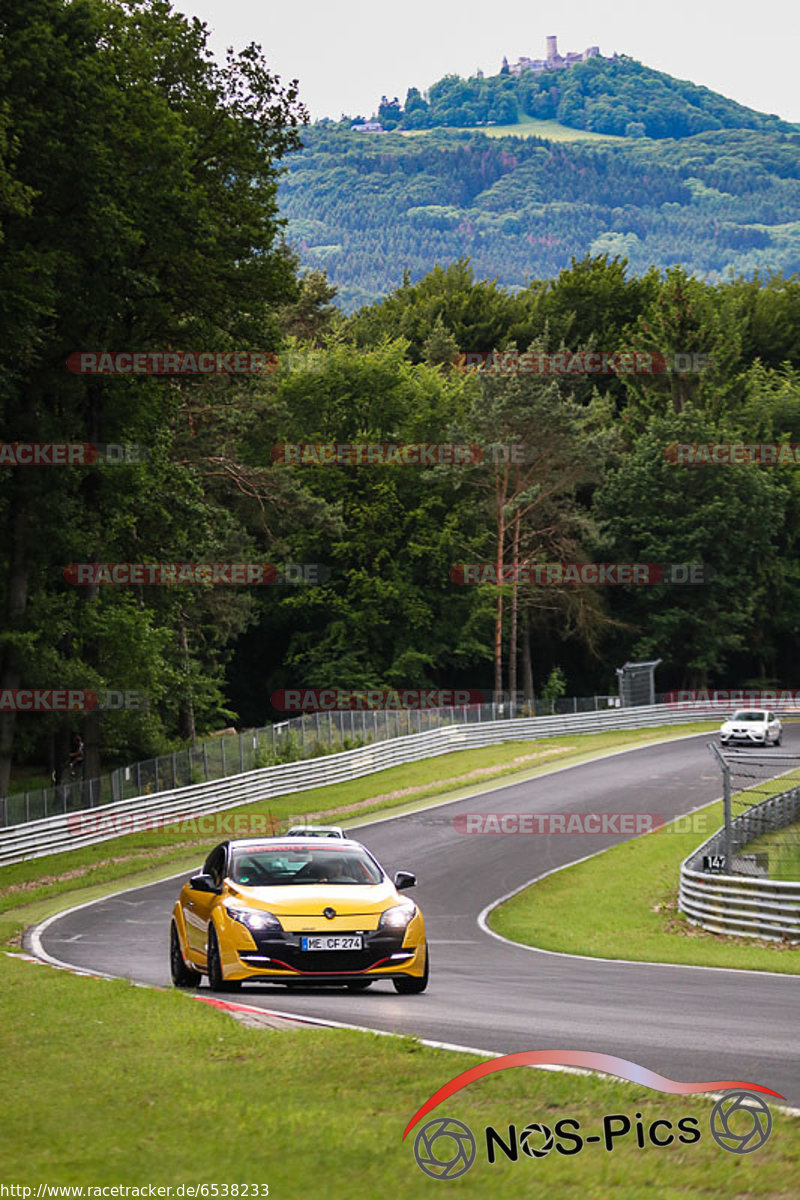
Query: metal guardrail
68	831
297	738
740	904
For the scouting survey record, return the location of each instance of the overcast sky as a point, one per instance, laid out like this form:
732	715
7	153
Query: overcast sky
347	53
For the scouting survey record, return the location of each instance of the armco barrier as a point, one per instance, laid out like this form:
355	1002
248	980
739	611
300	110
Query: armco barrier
744	905
62	832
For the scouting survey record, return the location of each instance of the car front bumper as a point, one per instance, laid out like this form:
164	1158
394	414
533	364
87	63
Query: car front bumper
252	955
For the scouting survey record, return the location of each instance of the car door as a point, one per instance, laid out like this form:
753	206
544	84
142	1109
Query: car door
198	905
774	726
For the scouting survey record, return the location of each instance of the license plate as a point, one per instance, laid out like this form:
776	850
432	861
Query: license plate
349	941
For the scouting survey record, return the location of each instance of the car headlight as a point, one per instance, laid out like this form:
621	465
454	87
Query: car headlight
255	918
397	917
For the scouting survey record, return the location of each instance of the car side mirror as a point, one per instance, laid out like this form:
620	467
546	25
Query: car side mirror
404	879
203	883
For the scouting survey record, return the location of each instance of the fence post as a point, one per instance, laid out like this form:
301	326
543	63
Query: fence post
5	808
138	779
726	804
241	752
155	769
174	772
726	797
222	752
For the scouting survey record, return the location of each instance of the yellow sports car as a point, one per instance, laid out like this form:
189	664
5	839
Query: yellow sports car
291	910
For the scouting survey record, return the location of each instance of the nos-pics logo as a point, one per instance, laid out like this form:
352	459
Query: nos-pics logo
445	1148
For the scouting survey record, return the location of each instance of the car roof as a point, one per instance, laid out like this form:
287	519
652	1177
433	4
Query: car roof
249	843
337	829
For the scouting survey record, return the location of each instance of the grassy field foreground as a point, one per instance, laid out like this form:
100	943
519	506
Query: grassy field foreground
107	1083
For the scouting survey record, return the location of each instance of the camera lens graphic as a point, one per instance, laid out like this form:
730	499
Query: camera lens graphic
444	1148
528	1137
736	1111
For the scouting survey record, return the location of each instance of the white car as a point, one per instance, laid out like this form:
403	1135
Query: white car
307	831
756	726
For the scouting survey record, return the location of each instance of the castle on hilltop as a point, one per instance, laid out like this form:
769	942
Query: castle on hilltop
553	62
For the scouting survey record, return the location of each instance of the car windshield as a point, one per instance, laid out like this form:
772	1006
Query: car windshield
745	714
314	833
273	866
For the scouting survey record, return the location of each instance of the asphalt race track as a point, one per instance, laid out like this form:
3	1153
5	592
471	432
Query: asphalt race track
687	1023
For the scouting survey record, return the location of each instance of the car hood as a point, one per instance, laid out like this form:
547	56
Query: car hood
309	899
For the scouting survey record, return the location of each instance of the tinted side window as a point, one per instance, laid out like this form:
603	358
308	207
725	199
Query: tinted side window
215	864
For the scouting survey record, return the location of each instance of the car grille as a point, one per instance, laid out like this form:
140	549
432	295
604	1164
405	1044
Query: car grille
377	949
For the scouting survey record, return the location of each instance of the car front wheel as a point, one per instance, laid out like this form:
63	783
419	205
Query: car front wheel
182	976
411	985
216	981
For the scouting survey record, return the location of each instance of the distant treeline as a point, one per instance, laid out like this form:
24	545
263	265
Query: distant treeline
369	208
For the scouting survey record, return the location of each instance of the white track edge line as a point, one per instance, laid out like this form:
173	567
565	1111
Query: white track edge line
482	919
232	1007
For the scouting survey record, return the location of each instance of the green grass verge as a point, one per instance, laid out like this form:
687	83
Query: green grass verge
399	789
622	904
112	1084
783	848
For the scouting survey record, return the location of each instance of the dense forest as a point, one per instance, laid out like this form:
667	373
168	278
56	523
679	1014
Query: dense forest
368	208
603	95
178	243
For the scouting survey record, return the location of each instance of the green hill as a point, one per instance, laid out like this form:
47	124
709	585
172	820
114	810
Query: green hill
602	95
369	207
